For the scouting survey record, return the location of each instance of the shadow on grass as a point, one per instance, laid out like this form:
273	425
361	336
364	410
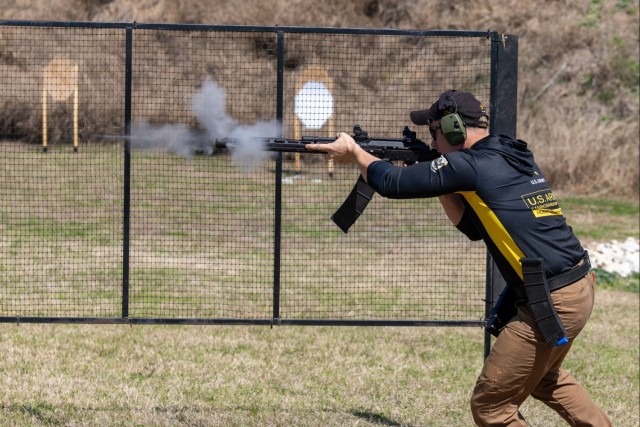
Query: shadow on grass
378	419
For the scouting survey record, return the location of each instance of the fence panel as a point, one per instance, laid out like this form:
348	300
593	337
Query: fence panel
117	205
61	210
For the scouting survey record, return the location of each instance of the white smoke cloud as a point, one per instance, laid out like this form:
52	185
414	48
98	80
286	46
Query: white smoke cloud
248	148
172	138
208	105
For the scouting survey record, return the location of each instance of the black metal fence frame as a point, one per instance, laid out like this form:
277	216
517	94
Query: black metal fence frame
503	107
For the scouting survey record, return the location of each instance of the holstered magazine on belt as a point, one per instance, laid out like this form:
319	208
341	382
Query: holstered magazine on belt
540	303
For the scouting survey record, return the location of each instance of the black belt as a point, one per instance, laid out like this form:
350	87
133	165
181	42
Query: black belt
568	277
561	280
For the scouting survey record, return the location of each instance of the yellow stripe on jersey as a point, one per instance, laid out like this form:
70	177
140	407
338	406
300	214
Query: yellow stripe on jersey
499	235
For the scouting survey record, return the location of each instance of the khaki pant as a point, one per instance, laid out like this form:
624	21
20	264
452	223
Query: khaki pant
521	364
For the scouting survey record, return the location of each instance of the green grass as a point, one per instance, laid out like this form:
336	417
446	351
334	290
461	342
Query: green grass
602	219
313	376
607	206
200	229
613	281
103	375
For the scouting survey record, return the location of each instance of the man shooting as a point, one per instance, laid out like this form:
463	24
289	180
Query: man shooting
491	189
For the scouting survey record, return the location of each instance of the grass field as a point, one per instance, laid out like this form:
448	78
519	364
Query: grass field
304	376
201	242
577	101
115	375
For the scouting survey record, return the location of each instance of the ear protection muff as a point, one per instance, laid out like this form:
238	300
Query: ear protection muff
453	129
452	126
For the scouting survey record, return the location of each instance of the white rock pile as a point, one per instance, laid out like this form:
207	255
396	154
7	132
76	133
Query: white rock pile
622	258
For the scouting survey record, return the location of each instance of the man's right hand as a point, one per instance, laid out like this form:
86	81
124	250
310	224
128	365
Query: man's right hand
346	150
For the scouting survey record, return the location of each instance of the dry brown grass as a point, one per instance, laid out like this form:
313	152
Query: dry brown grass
578	79
114	375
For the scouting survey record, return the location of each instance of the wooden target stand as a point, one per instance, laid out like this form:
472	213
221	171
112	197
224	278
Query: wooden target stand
313	107
59	81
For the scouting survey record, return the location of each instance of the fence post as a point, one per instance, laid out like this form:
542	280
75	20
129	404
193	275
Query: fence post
504	117
126	222
278	177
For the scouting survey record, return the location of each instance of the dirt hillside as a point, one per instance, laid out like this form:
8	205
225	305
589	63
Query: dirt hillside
578	87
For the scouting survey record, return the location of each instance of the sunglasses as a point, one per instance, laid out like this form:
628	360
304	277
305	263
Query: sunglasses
432	131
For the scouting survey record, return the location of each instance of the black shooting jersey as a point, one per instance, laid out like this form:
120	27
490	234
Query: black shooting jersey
508	202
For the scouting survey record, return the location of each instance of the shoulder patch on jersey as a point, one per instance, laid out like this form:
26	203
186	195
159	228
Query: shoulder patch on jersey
439	163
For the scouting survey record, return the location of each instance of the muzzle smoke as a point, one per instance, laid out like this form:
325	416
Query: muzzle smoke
248	148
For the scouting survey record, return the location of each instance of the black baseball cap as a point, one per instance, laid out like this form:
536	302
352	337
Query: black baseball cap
472	112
